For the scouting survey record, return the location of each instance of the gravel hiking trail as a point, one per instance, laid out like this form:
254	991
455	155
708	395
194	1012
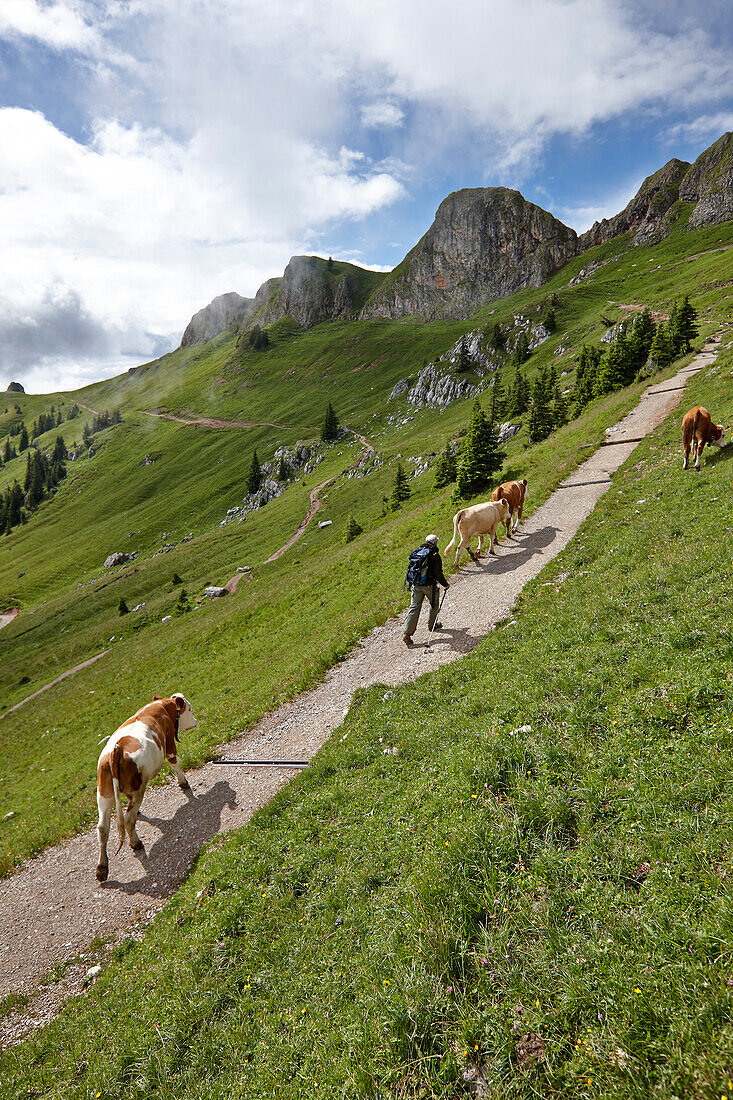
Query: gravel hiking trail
53	907
8	616
212	422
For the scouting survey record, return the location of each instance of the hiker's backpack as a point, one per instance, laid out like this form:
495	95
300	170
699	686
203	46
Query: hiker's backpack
418	569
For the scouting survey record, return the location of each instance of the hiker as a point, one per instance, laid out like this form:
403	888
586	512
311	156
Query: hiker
424	574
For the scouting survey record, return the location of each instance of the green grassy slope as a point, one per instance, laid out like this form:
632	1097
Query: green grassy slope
254	640
547	853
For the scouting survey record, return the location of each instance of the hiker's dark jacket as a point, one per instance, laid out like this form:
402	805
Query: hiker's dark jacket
435	569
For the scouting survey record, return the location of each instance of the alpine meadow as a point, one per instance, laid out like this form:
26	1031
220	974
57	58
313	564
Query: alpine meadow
509	877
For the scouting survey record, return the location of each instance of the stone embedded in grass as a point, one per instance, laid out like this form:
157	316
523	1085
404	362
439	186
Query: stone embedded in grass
213	591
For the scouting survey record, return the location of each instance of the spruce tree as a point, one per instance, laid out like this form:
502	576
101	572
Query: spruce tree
353	530
686	329
521	349
660	352
519	395
445	468
23	443
540	408
464	359
585	377
254	477
183	604
8	451
282	469
400	488
122	607
640	339
480	457
330	429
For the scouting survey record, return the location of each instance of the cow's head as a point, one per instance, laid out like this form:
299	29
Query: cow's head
186	720
717	435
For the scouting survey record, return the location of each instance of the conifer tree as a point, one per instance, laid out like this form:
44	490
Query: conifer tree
254	477
183	604
685	329
445	468
400	488
559	410
521	350
122	607
258	338
520	394
282	469
23	442
480	457
540	408
464	359
330	429
550	320
660	352
640	338
353	530
8	451
585	377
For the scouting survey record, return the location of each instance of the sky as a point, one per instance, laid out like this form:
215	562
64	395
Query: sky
157	153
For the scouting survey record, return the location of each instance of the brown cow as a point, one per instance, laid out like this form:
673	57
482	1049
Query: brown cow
513	492
133	755
697	430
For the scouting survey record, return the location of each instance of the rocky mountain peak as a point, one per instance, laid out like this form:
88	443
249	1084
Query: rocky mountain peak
709	184
15	387
485	242
649	213
312	290
220	314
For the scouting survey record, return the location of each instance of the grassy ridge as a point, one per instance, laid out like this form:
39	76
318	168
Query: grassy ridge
254	641
546	852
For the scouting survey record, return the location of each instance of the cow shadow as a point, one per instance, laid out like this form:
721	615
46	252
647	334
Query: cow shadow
715	457
173	853
532	542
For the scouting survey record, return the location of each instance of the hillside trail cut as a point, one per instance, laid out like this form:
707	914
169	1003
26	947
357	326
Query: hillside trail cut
52	908
316	502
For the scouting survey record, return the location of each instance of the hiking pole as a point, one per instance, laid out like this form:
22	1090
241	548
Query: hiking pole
437	616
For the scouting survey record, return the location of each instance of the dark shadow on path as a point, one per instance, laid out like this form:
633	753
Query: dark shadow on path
533	542
170	858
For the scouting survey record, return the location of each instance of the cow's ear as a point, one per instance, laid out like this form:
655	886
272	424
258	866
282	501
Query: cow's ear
157	698
179	701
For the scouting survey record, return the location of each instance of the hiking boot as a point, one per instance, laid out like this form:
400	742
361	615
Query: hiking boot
407	639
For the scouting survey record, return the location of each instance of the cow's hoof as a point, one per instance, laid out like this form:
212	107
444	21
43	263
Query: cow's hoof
138	846
102	873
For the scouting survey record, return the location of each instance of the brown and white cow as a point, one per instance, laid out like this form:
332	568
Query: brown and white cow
481	520
697	430
513	492
134	755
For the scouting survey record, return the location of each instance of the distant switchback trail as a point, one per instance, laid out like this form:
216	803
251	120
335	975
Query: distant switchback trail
316	502
212	422
53	907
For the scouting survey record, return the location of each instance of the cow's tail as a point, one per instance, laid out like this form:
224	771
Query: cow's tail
456	521
694	422
114	765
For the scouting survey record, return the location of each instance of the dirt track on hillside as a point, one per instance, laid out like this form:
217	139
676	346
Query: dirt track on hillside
52	908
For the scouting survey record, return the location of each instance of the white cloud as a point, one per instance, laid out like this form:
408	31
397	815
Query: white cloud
701	128
61	26
382	115
582	217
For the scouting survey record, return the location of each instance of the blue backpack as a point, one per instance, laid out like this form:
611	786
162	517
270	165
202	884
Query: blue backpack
418	568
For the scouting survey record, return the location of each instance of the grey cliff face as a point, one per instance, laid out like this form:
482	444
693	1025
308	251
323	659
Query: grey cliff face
709	183
220	314
309	292
485	242
648	213
15	387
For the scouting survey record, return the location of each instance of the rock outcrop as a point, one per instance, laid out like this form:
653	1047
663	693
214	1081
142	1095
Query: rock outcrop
649	213
709	184
312	290
485	242
15	387
435	389
220	314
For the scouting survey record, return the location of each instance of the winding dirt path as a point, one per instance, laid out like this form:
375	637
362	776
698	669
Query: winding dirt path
69	672
316	502
212	422
8	616
52	908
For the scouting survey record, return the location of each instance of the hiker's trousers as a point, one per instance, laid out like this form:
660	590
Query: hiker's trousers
422	592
